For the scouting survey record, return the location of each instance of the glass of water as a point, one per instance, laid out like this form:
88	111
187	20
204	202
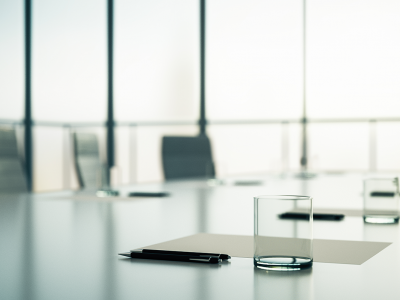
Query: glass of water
381	200
281	244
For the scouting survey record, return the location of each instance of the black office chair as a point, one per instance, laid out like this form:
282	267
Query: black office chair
12	176
90	169
187	157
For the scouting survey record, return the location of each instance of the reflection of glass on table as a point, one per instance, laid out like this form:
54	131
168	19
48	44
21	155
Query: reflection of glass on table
381	197
103	182
284	245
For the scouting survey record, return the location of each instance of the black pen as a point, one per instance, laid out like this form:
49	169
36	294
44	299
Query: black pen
200	254
171	257
148	194
316	216
382	194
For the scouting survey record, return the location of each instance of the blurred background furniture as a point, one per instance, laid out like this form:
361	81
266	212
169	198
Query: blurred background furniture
187	157
91	171
12	177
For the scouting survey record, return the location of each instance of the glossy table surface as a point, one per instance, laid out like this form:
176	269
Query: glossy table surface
53	246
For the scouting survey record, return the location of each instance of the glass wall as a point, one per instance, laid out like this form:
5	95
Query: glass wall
254	83
69	58
387	147
157	60
12	60
254	59
353	62
157	73
339	147
69	78
353	70
246	149
254	68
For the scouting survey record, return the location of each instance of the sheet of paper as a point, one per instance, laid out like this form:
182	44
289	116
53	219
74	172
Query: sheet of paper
325	251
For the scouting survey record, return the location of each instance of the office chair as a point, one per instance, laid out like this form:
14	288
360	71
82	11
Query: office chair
12	176
90	170
187	157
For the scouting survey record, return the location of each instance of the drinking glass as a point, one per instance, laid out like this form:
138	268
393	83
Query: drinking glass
381	198
284	245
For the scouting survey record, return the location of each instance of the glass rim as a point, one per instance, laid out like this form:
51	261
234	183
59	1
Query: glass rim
283	197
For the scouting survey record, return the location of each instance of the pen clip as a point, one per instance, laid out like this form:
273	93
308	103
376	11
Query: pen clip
211	259
137	251
200	259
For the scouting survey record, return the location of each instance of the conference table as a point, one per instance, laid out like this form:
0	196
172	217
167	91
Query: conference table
65	245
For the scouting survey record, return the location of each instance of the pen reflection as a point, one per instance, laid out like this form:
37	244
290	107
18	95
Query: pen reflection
94	247
16	247
201	289
28	250
109	253
201	194
165	263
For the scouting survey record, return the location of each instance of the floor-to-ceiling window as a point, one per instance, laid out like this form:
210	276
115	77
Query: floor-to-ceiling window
263	61
156	80
69	81
254	71
353	72
11	60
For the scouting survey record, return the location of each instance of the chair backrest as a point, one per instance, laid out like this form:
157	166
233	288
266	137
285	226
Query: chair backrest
187	157
90	170
12	176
